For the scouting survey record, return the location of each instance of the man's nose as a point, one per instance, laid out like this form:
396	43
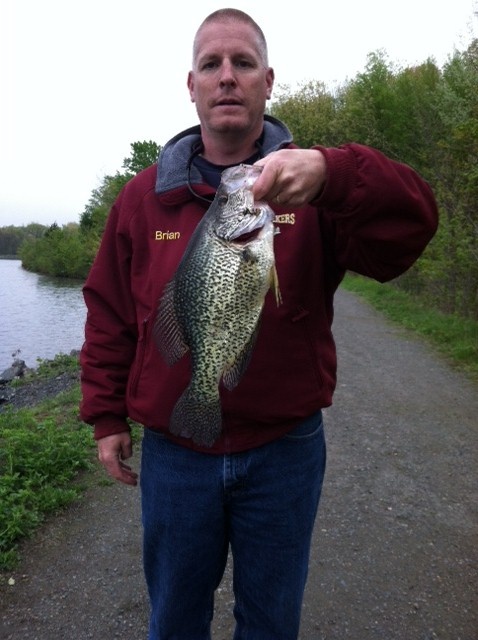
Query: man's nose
227	76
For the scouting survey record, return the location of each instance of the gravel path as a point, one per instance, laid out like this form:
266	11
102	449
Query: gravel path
394	555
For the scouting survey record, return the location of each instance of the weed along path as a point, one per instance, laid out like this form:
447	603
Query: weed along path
394	554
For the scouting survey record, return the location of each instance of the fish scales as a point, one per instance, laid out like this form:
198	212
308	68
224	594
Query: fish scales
213	304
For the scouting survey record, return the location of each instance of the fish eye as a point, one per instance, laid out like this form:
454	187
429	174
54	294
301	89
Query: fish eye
223	200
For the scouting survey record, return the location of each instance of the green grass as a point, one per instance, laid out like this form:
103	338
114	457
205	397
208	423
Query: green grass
42	452
454	337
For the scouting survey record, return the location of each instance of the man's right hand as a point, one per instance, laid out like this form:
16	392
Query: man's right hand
112	451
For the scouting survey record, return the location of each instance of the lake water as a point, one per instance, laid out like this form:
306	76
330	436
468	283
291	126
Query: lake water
40	316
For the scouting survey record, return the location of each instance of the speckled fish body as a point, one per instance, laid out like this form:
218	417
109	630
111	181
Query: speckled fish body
213	304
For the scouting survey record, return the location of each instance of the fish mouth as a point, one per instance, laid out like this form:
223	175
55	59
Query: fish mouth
245	233
242	220
247	236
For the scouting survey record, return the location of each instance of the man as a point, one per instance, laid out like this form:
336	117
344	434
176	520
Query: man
256	490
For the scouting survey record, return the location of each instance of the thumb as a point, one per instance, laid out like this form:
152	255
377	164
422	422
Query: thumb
263	186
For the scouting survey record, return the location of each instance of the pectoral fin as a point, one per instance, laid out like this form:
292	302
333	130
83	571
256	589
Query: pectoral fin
167	330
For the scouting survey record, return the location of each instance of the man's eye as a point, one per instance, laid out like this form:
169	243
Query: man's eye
243	64
207	66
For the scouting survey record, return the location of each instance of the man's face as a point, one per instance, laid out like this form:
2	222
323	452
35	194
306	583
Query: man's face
229	82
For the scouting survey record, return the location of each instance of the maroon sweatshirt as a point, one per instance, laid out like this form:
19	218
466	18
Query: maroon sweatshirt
374	217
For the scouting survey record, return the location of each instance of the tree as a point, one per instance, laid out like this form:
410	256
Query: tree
69	251
93	218
143	155
310	114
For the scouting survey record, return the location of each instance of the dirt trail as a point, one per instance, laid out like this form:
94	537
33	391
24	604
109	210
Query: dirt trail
395	547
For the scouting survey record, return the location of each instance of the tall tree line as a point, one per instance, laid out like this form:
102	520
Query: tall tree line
428	118
12	237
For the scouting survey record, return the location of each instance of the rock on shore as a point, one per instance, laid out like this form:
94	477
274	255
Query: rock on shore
33	389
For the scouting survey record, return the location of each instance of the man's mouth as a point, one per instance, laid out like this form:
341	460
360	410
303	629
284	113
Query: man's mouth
228	103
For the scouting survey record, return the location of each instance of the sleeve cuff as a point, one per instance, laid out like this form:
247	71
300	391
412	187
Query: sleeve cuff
109	426
341	176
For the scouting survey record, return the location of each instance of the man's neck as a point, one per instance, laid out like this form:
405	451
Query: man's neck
226	150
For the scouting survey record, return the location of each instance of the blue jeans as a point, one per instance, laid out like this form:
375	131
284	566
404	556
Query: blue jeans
262	503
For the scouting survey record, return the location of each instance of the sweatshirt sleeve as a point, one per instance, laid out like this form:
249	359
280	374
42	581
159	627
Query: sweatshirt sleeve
110	332
384	214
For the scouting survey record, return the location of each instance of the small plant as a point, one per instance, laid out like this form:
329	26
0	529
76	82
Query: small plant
41	453
61	363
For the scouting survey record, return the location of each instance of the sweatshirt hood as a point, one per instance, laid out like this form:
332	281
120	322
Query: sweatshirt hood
175	156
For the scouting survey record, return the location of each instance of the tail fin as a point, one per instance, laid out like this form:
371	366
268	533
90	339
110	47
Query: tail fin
197	418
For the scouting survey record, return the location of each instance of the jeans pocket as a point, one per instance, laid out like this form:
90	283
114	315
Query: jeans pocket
308	428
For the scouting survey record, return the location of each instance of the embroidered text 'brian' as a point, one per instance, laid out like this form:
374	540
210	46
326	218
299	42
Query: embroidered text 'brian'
167	235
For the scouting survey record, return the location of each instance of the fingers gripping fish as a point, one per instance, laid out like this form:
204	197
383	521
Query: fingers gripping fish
213	304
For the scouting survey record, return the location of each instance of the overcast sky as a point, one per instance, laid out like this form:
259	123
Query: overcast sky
80	81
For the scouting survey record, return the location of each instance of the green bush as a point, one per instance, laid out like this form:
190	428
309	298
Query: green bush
40	456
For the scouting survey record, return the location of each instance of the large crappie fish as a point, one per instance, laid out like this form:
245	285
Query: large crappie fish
213	304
